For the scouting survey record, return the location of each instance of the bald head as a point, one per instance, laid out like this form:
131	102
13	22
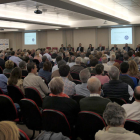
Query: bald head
94	85
137	93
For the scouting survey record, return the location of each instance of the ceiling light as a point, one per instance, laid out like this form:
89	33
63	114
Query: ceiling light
99	26
124	25
77	28
39	30
57	29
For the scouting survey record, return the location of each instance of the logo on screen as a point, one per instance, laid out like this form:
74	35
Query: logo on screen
126	37
33	39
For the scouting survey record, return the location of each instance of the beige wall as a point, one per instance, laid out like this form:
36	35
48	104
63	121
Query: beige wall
73	37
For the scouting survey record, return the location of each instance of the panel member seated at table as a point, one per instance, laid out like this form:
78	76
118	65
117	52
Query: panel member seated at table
80	48
126	47
100	48
115	48
62	47
90	47
138	48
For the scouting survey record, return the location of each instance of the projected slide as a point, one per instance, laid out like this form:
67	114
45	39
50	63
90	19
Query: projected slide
121	35
30	38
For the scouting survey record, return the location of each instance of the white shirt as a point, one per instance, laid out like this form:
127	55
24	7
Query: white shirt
48	56
132	110
55	68
15	59
71	64
110	63
131	92
94	94
106	67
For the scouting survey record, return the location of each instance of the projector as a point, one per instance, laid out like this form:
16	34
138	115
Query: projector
38	12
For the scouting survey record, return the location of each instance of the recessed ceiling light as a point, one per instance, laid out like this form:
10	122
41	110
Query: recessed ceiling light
99	26
124	25
39	30
77	28
57	29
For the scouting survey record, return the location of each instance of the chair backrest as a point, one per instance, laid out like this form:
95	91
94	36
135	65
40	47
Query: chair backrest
33	94
1	91
77	98
31	114
7	74
1	70
118	100
54	48
23	135
7	108
36	61
15	93
55	121
88	123
132	125
49	48
75	75
77	81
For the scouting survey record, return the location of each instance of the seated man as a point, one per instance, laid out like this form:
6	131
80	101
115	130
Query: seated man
132	81
104	63
95	102
112	60
23	67
69	87
125	57
47	55
58	58
115	48
71	61
116	88
138	48
57	100
81	89
133	110
80	48
115	117
77	68
62	47
35	81
126	48
44	59
130	54
2	62
100	48
14	58
3	83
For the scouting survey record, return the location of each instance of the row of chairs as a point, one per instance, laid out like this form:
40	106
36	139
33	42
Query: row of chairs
88	123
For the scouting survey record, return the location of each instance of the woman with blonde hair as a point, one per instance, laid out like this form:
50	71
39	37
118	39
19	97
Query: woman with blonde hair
9	65
9	131
133	69
37	56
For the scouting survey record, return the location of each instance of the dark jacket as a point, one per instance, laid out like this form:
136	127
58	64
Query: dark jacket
101	49
66	105
128	48
24	73
76	68
91	49
116	89
2	63
62	48
95	104
81	49
113	48
138	49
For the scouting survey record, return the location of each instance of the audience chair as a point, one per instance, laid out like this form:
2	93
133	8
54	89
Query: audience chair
23	135
49	48
77	81
33	94
44	80
75	75
55	48
118	100
132	125
88	123
1	91
77	98
15	93
15	65
1	70
7	109
55	121
7	74
31	115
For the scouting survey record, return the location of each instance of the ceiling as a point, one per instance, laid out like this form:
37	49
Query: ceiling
64	14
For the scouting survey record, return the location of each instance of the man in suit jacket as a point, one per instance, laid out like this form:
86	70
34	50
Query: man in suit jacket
2	62
35	81
62	47
126	47
138	48
100	48
115	48
80	48
95	102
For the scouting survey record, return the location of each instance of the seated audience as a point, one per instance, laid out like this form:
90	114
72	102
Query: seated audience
14	58
116	64
99	74
133	110
45	71
115	117
67	55
15	79
82	55
112	60
9	65
125	57
81	89
26	59
104	62
133	69
69	87
23	67
132	81
93	63
2	62
48	55
44	59
31	80
118	58
58	100
54	54
95	102
3	83
71	61
137	60
9	131
116	88
130	54
77	68
58	58
37	57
